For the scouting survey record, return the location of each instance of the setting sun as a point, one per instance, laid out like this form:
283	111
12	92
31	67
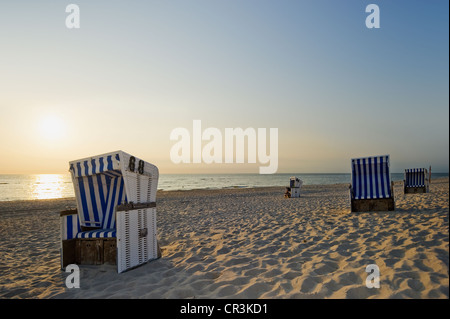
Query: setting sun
51	127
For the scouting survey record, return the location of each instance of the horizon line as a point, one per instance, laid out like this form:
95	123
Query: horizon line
281	173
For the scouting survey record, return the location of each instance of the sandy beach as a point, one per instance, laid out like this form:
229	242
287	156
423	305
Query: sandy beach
247	243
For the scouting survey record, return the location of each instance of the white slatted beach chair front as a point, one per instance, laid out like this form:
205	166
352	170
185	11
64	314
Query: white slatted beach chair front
295	185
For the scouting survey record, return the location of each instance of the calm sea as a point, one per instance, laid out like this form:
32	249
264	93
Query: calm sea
48	186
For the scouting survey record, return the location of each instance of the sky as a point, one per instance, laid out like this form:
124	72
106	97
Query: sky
136	70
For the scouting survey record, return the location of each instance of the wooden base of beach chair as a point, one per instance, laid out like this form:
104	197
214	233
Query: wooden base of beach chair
110	251
415	190
68	252
370	205
89	251
92	251
96	251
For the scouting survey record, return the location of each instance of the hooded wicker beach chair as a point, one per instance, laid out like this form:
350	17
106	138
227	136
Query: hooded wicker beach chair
416	181
293	191
371	188
115	219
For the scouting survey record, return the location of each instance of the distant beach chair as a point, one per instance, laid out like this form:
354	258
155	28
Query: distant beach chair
293	191
115	219
416	181
371	188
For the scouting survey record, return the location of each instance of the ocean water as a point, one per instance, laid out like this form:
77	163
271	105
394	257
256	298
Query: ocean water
49	186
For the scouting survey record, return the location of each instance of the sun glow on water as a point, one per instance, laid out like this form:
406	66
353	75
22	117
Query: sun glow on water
48	186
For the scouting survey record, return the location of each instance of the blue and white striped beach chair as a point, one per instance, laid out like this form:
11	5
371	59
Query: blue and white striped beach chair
416	181
371	188
115	219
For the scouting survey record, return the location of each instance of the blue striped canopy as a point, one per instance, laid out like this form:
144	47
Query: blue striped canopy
107	164
371	178
98	233
70	226
99	188
415	177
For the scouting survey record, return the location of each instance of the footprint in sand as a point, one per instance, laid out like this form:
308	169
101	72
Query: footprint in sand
415	284
213	275
360	292
397	253
307	285
225	291
254	291
350	278
326	268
